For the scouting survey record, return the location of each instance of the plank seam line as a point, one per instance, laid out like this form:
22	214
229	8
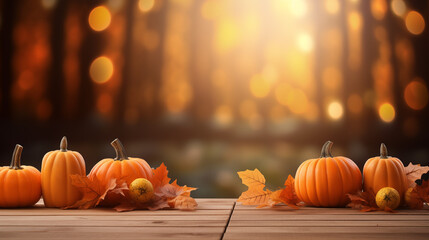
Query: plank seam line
229	219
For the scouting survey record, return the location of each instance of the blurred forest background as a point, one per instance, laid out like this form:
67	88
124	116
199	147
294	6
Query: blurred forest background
212	87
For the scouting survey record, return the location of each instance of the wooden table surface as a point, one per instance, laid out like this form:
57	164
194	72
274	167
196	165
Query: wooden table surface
214	219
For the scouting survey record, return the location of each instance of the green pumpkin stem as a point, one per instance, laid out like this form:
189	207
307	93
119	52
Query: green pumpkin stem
16	158
326	150
120	151
383	151
63	144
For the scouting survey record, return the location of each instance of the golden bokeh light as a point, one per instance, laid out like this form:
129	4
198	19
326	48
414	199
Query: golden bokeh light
355	104
49	4
259	86
355	20
99	18
146	5
332	78
335	110
415	22
416	95
332	6
281	92
386	112
298	8
226	35
305	42
398	7
101	69
378	9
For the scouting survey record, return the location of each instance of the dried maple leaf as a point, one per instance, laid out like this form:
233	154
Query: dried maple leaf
160	176
365	201
93	191
255	194
288	195
414	172
183	203
252	179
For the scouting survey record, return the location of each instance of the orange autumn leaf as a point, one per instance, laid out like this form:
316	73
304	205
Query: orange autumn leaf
414	172
255	194
252	179
365	201
160	176
288	195
183	203
93	191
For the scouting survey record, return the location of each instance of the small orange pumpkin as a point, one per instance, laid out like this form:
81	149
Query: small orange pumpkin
325	181
121	167
19	185
384	171
57	167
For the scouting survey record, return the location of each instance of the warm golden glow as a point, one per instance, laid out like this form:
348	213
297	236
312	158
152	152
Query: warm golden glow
99	18
104	103
332	6
355	20
298	8
378	9
146	5
305	42
101	69
415	22
297	101
416	95
259	86
386	112
48	4
223	115
226	35
335	110
331	78
398	7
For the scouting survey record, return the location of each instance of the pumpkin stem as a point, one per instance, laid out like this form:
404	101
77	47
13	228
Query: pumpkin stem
383	151
120	151
326	150
16	158
63	144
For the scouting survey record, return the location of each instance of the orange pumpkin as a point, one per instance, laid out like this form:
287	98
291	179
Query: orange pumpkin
121	167
325	181
19	185
384	171
57	167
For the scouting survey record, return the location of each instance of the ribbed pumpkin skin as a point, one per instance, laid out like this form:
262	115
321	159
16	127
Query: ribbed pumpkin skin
324	182
19	188
127	170
384	172
57	167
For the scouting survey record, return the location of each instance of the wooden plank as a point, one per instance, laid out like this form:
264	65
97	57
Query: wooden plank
111	232
317	230
328	217
331	236
241	209
166	222
106	212
370	223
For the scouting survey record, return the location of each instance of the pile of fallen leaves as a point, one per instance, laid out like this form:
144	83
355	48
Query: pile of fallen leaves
257	194
417	180
166	194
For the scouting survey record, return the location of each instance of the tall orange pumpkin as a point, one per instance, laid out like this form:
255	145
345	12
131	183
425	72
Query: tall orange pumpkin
325	181
19	185
384	171
121	167
57	167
